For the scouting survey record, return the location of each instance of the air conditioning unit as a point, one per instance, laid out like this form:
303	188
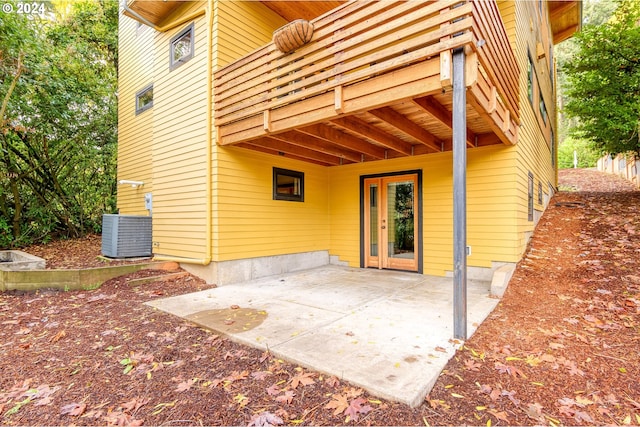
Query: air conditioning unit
126	236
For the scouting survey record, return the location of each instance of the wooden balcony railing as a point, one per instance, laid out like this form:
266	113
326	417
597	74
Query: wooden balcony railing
364	55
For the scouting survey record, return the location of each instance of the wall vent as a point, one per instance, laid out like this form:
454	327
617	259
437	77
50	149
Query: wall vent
126	236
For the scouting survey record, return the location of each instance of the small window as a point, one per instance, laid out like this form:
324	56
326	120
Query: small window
530	74
553	148
539	193
543	107
144	99
530	198
288	185
551	73
182	47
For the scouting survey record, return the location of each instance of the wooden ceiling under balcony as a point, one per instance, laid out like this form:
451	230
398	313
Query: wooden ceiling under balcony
419	126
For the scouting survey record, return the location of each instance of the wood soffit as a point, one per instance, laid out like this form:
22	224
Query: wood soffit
565	17
291	10
153	11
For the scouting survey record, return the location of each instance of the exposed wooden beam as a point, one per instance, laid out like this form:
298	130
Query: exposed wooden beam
285	147
400	122
488	139
366	130
274	152
565	6
316	144
434	108
344	139
565	34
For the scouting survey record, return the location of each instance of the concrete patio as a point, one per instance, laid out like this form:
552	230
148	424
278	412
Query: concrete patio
388	332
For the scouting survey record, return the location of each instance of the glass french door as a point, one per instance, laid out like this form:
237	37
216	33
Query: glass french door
390	229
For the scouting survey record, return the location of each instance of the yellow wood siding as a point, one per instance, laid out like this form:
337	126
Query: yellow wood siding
534	145
135	132
166	148
249	223
180	143
241	27
490	188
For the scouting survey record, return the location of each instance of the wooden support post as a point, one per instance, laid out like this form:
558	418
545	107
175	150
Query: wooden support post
445	69
507	122
493	100
266	120
471	69
339	100
445	59
459	196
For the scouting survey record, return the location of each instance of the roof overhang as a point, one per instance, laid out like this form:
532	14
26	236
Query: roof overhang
565	17
291	10
156	12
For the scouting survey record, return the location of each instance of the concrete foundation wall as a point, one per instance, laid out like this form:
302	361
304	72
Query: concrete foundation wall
227	272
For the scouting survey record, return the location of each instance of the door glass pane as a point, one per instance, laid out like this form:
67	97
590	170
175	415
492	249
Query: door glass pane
400	219
373	220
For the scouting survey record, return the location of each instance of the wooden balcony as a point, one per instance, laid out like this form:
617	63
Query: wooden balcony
374	82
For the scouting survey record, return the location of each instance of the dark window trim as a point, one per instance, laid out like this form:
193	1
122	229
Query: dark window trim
540	193
288	197
542	107
553	147
530	198
531	71
139	94
173	64
418	214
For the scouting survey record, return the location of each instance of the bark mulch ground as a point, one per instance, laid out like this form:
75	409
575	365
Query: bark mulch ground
561	347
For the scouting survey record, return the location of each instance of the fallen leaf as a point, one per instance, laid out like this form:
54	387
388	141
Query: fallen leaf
273	390
287	397
472	365
241	399
134	404
302	378
186	385
265	419
260	375
57	337
583	401
534	411
73	409
332	382
356	408
500	415
338	402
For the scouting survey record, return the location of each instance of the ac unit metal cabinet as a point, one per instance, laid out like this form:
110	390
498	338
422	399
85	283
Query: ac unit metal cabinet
126	236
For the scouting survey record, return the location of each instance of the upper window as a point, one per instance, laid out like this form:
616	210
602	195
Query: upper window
288	185
530	75
530	198
542	107
181	49
539	193
144	99
553	147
